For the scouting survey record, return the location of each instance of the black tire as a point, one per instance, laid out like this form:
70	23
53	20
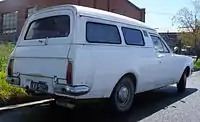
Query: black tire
181	86
122	96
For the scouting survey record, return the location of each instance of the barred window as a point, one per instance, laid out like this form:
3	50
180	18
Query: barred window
9	24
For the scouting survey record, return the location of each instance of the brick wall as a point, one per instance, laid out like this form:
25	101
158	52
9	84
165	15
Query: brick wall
128	9
118	6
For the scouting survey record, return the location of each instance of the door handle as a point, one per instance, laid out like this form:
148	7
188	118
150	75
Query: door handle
160	56
41	41
45	42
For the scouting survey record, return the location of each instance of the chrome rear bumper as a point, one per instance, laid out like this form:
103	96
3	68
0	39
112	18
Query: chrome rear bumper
58	88
71	90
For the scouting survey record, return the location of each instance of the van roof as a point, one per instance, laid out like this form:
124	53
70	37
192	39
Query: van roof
91	12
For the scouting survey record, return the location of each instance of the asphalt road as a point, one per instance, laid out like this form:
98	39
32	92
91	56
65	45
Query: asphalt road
163	105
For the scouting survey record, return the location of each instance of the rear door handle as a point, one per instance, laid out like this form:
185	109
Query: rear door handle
160	55
41	41
45	42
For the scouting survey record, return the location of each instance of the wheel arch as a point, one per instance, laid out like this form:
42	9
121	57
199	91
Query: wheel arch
132	76
187	71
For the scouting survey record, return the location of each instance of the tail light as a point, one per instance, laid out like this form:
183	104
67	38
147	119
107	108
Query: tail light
69	73
10	67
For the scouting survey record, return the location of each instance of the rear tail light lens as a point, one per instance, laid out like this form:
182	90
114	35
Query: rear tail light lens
69	73
10	67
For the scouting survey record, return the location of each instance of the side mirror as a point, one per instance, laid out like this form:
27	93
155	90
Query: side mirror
175	49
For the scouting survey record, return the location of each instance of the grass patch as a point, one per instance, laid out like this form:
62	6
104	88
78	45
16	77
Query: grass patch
5	51
7	91
197	65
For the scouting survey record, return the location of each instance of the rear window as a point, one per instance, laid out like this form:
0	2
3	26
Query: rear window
133	36
51	27
102	33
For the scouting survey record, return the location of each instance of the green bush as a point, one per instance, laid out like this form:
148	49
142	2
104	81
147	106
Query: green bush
197	65
6	90
3	63
5	51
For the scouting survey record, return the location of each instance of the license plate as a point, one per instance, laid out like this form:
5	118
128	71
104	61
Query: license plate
39	86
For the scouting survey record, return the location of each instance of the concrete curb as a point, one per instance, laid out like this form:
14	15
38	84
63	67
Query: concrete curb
25	104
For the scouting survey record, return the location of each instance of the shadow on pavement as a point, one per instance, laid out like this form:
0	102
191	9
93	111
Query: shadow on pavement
145	104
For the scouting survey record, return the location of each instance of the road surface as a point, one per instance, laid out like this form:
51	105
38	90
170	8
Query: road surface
163	105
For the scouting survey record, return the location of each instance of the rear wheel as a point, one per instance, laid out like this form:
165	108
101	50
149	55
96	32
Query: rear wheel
181	86
122	96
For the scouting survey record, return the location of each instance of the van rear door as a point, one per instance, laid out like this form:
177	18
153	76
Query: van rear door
43	46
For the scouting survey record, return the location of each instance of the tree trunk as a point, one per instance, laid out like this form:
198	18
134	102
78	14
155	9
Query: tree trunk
179	47
197	58
198	55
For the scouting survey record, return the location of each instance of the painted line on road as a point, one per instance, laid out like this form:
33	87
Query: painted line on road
25	104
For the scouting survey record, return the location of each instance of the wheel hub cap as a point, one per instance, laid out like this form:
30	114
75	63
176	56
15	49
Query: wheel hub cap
123	94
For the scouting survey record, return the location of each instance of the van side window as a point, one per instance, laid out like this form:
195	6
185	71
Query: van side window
145	33
159	45
102	33
50	27
133	36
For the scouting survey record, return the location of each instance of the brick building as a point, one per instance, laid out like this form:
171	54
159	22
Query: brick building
13	13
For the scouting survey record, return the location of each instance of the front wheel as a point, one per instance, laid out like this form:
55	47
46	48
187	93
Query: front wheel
122	96
181	86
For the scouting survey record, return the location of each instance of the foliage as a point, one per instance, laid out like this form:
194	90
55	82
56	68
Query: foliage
5	51
6	90
188	22
3	63
197	65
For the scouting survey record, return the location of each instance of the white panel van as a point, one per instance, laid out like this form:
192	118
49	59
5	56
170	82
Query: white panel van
83	53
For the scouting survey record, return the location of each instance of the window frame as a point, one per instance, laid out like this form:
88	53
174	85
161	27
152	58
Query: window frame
29	25
163	44
27	11
102	24
12	26
145	33
168	51
136	30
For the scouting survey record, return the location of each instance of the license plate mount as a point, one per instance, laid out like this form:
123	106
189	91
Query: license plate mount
39	86
14	81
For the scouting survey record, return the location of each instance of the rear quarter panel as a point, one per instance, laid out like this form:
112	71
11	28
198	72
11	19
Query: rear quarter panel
102	66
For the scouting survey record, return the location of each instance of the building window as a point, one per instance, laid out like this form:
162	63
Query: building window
9	24
30	11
